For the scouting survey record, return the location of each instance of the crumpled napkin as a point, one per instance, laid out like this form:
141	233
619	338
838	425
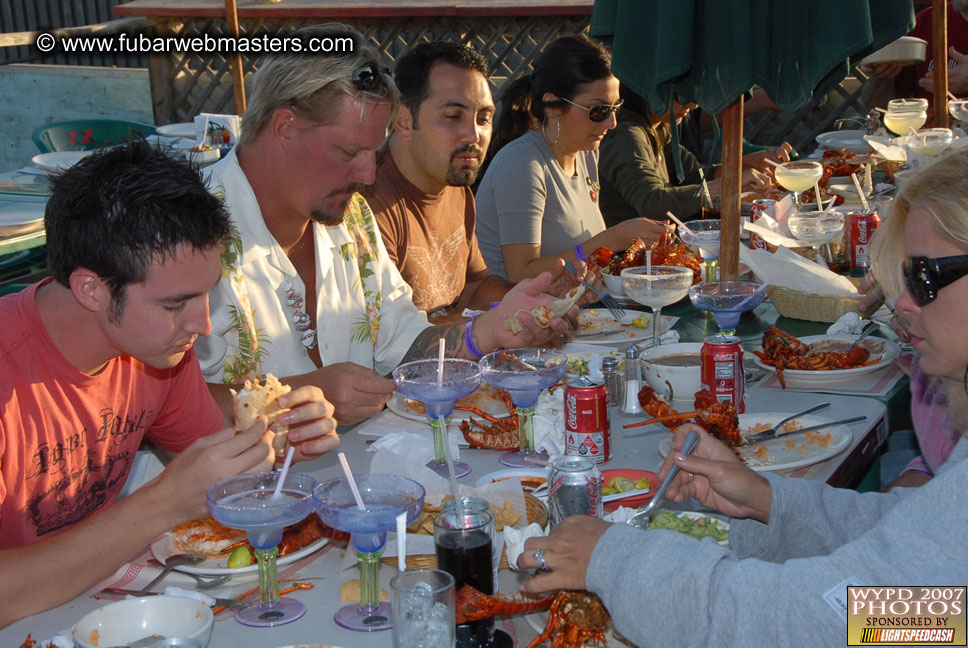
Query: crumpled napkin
790	270
891	148
63	639
190	594
514	541
549	422
416	446
771	231
848	324
620	515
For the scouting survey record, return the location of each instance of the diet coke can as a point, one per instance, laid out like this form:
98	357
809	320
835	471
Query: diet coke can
862	226
576	488
587	427
760	206
721	367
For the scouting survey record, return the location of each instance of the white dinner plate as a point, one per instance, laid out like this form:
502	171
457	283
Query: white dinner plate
182	129
485	398
58	160
597	326
508	473
164	547
784	454
20	221
887	351
852	140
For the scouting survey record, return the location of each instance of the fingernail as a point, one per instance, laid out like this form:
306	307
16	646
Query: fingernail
287	418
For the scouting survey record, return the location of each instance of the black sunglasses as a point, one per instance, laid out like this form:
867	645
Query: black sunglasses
924	277
599	112
369	78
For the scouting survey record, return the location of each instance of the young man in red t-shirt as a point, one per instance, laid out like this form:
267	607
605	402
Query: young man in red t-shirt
99	357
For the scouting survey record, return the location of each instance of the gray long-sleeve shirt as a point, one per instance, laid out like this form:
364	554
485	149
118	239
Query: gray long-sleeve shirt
767	588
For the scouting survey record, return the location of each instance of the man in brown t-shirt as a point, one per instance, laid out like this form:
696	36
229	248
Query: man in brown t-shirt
422	197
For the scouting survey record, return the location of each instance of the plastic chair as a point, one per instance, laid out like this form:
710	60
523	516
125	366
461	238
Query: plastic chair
86	134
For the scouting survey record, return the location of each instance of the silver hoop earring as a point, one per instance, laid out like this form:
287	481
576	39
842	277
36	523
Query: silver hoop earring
964	381
557	132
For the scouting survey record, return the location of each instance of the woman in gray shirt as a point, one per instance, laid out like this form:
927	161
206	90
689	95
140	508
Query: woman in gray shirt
538	200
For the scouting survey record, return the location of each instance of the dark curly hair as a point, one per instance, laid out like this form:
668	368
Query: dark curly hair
412	72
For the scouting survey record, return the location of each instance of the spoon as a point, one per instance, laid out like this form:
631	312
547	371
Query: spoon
177	560
641	519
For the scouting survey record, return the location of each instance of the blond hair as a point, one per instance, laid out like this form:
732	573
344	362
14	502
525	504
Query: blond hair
312	84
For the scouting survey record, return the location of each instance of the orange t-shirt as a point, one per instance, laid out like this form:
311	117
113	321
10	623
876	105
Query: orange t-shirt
67	440
430	238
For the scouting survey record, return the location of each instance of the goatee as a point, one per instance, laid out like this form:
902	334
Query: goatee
324	217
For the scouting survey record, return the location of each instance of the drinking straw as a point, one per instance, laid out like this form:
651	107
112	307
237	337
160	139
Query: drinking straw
880	109
705	188
648	262
352	482
830	205
816	194
440	362
753	294
282	473
680	223
402	541
952	96
863	198
773	162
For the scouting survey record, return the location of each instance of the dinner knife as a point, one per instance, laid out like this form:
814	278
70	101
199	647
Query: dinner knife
219	602
766	436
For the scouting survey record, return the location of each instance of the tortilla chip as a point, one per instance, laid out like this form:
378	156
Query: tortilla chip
505	516
349	592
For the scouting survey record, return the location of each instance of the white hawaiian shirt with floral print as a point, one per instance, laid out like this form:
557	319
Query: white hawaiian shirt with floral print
364	310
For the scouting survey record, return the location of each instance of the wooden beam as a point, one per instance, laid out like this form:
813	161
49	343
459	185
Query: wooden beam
939	35
732	184
238	76
18	39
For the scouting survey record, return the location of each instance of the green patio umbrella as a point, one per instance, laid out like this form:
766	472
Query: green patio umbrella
713	51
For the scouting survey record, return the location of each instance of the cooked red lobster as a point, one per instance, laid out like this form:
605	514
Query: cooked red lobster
784	351
719	418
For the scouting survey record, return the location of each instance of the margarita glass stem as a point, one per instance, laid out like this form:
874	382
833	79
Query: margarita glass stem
439	425
709	270
369	581
268	577
656	322
525	429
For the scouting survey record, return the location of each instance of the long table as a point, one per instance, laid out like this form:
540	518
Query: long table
318	625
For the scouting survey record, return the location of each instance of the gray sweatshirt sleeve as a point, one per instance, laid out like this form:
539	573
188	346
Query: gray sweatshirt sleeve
666	589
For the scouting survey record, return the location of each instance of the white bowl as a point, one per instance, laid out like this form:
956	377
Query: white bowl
906	50
614	284
125	622
672	383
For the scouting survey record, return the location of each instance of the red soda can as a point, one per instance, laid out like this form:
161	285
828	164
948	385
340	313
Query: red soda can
862	226
759	207
721	369
587	426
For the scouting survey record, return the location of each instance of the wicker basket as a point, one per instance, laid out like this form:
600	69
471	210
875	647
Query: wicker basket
813	307
537	512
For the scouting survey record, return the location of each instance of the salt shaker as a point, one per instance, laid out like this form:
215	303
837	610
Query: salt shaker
632	381
613	381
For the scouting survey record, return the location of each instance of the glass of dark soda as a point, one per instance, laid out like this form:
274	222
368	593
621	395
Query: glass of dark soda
463	541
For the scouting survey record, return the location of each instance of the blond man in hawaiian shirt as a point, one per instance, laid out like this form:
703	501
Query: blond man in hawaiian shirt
307	291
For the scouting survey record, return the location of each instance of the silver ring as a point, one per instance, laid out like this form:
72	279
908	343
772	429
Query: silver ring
539	556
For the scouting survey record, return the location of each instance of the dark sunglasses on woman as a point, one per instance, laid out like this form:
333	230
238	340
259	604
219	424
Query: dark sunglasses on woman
598	112
924	277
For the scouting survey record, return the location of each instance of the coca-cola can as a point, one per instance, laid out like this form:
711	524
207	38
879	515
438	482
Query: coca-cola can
760	206
862	226
575	488
587	426
721	369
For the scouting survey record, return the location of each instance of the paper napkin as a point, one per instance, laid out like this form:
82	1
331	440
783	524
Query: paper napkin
790	270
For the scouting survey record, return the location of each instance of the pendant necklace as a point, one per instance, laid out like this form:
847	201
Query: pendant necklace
300	320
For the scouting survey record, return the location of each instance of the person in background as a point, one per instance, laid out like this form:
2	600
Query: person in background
797	542
98	358
421	198
637	170
308	291
538	202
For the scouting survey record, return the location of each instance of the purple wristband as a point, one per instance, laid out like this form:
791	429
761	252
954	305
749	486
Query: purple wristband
923	472
469	339
580	253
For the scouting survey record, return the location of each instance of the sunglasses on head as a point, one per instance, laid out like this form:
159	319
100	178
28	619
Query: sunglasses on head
924	277
599	112
370	78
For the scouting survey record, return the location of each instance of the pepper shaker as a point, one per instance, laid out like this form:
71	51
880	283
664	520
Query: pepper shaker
633	380
613	381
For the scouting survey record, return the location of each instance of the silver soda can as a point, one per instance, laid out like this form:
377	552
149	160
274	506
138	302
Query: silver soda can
576	488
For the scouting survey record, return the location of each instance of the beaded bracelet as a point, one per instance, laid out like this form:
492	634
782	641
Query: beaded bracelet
580	253
469	339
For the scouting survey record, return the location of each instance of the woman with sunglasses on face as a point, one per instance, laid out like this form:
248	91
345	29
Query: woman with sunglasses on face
796	544
538	200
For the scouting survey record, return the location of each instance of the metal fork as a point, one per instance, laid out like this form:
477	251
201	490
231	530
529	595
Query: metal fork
605	298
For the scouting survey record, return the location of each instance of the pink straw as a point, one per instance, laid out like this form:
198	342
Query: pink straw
352	482
282	473
440	362
679	222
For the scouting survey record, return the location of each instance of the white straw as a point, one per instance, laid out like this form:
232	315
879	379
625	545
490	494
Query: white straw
402	541
705	188
679	222
440	362
816	194
648	262
753	294
830	205
773	162
863	198
352	482
282	473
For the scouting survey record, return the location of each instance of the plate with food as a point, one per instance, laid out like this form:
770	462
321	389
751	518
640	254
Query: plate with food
181	129
581	612
218	542
693	524
531	478
486	398
580	361
830	357
597	326
782	452
851	140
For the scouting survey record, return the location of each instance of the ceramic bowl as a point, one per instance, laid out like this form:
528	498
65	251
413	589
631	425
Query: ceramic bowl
614	284
633	474
124	622
677	383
